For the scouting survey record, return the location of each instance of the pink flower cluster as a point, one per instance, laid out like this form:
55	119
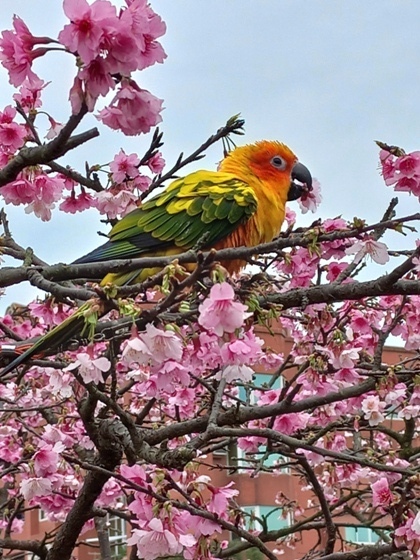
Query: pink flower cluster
39	191
161	360
12	134
402	172
126	184
111	44
408	535
312	199
163	530
17	52
133	110
123	42
219	313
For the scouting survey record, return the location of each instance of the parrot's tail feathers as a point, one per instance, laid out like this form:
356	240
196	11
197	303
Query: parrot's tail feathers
47	344
18	355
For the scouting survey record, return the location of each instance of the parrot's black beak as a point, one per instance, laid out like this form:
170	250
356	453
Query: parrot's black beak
299	173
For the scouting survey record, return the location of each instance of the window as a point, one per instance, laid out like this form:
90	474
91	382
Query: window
361	535
246	461
238	458
258	517
262	380
117	539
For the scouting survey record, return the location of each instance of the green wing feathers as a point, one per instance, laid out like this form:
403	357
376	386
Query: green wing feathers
204	205
192	207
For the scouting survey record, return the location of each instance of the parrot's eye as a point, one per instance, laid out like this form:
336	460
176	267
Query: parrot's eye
278	162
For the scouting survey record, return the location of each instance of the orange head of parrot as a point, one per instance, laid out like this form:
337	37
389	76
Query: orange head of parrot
271	162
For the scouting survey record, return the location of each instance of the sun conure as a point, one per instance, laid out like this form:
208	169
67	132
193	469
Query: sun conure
241	204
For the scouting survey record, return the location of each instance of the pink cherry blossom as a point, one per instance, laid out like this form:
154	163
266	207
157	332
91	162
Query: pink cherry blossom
133	110
140	23
416	524
219	313
41	209
91	370
291	423
8	114
240	352
182	400
124	166
136	352
250	444
334	269
12	136
54	130
409	412
17	525
48	188
408	535
409	165
141	182
154	345
395	395
311	199
220	498
89	25
46	459
114	205
233	372
41	193
156	163
49	312
77	97
373	409
34	487
29	96
333	249
17	53
403	172
375	249
142	507
59	383
346	358
136	473
415	397
381	494
72	204
300	265
162	344
154	541
111	491
387	161
290	217
97	80
408	184
168	374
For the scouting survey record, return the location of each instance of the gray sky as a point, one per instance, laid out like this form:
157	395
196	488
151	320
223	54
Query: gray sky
327	77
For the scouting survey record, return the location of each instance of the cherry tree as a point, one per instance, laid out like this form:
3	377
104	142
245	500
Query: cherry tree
130	417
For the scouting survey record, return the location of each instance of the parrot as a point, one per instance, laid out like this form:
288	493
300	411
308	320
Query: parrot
243	203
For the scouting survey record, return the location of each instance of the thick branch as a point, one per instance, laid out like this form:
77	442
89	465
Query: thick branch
233	416
110	455
60	272
38	155
368	552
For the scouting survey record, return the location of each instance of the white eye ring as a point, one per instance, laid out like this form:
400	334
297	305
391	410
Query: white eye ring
278	162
